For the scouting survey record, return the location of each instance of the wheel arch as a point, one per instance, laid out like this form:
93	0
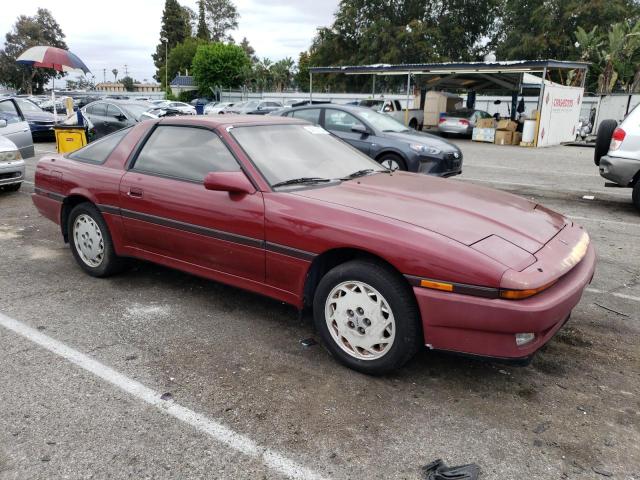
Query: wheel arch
68	204
329	259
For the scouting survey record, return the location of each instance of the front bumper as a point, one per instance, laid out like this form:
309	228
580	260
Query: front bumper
443	165
487	327
12	172
619	170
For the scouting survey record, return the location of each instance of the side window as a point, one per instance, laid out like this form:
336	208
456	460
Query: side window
99	109
398	106
339	121
184	152
113	111
9	112
99	151
310	115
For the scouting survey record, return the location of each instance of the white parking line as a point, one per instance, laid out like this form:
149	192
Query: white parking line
236	441
545	187
602	220
519	170
614	294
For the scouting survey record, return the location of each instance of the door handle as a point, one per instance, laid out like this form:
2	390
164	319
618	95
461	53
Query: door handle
135	192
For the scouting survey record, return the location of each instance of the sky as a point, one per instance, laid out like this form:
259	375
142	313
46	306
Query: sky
127	32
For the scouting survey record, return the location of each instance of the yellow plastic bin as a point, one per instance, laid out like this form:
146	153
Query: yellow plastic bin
69	138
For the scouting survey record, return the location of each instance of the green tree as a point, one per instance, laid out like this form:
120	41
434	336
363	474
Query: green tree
282	74
248	49
175	29
543	29
128	83
181	56
219	65
221	16
40	29
302	74
202	31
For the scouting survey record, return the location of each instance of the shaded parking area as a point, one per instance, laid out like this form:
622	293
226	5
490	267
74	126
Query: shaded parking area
236	360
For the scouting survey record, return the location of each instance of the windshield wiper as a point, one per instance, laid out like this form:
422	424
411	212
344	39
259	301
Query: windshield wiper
300	181
362	173
397	131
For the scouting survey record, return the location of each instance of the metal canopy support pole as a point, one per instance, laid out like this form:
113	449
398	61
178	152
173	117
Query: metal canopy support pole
406	109
540	97
373	89
310	88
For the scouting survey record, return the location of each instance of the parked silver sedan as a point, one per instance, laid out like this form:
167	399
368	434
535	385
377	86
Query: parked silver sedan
460	122
11	164
14	126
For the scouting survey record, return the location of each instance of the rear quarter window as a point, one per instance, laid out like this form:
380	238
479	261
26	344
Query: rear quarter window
98	151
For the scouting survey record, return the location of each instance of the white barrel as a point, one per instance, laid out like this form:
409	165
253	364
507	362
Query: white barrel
529	131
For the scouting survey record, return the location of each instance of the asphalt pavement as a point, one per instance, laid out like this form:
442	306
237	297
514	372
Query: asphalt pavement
157	374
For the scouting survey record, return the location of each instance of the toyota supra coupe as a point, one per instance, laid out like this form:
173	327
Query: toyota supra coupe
389	261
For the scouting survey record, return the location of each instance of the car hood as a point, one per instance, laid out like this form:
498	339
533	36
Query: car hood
456	209
423	138
38	116
7	145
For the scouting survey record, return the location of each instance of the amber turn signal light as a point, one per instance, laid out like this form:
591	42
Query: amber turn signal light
447	287
522	294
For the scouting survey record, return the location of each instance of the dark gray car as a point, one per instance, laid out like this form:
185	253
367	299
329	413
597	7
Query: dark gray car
108	116
384	139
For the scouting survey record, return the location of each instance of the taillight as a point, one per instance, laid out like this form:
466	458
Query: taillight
464	122
442	120
617	138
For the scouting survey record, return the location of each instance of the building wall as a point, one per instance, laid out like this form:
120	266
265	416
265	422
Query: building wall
118	87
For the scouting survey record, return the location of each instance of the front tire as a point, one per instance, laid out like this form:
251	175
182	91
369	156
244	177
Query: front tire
392	162
367	317
91	242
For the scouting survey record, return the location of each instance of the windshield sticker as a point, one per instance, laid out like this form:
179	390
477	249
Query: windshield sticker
316	130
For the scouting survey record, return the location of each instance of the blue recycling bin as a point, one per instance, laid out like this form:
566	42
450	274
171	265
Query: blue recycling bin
199	109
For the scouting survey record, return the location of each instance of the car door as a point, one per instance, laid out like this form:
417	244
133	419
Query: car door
116	119
166	210
17	128
340	123
97	113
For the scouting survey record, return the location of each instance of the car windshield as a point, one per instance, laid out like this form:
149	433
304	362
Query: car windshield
27	106
287	152
250	105
371	103
136	110
382	122
462	113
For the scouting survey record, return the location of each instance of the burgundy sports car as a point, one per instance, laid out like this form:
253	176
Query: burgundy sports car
389	261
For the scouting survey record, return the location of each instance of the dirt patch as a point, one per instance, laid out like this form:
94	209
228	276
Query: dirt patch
573	337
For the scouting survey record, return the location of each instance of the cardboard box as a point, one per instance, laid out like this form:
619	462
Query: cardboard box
517	138
486	123
507	125
436	103
503	137
483	135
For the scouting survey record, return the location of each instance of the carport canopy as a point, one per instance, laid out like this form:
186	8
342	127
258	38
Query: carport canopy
477	76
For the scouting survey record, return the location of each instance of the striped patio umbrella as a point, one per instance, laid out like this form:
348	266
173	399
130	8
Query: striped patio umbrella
52	57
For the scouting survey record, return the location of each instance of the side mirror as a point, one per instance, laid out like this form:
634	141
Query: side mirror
3	123
232	182
361	129
120	117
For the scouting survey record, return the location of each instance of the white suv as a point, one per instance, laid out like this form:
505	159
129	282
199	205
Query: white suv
621	164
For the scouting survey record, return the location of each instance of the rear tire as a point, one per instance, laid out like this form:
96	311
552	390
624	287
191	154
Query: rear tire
603	139
392	162
636	194
91	242
413	124
367	317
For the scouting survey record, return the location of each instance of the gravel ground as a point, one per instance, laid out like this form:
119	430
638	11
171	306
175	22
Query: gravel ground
236	359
